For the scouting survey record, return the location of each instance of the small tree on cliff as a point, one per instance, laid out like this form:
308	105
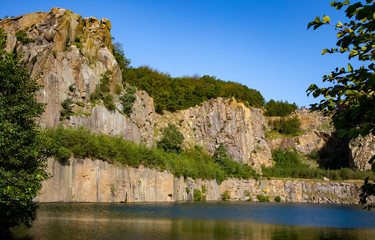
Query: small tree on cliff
21	153
172	139
351	98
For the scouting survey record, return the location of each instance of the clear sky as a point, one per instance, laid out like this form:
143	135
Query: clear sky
262	44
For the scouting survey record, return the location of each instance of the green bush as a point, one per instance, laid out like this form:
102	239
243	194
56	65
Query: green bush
198	195
289	164
102	92
127	101
67	110
204	189
118	89
109	102
277	199
172	139
279	108
288	126
231	167
225	196
262	198
22	37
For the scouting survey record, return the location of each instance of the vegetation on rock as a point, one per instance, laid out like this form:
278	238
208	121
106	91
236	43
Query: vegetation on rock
262	198
289	164
127	100
194	163
287	125
102	92
22	37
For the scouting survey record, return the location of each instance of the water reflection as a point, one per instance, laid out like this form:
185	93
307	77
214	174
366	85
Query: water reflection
195	221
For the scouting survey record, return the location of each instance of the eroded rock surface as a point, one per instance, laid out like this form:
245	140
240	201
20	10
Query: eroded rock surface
70	54
316	131
239	128
85	180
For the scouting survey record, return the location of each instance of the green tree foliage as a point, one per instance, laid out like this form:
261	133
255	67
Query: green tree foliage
288	125
183	92
231	167
21	151
351	99
279	108
67	110
102	92
22	37
289	164
81	143
180	93
172	139
119	55
127	100
198	195
263	198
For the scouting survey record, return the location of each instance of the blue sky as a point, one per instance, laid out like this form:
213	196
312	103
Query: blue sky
262	44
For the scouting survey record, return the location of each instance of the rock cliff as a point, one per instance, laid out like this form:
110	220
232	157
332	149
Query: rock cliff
85	180
316	130
239	128
70	54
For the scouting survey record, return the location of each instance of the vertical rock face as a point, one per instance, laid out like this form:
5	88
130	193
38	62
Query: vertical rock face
69	55
239	128
316	132
362	151
85	180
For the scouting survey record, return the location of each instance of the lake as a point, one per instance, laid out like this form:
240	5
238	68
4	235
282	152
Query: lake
200	220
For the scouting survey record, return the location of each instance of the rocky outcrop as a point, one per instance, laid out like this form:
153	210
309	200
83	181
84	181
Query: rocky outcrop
239	128
69	55
362	149
85	180
289	190
316	130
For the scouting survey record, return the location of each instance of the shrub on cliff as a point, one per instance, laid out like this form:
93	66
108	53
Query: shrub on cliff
22	153
288	125
172	139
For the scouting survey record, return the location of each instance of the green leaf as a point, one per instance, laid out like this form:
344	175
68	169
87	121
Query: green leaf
326	19
350	68
341	133
324	51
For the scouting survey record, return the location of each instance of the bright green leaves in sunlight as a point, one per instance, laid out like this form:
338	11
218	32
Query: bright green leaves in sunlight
350	100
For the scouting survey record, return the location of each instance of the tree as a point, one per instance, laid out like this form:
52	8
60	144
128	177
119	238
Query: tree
351	98
279	108
21	152
172	140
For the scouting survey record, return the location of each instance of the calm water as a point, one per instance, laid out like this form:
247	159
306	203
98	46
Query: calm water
212	220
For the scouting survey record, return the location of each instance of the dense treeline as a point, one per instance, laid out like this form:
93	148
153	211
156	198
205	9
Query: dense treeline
289	164
183	92
194	163
279	108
